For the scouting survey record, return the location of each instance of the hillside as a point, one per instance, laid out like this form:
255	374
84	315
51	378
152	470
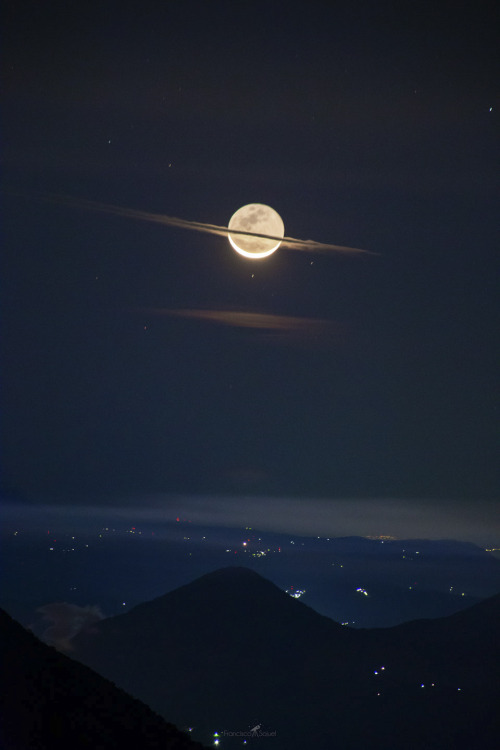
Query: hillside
231	650
50	701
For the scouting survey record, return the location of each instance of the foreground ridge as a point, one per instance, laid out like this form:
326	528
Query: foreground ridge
50	701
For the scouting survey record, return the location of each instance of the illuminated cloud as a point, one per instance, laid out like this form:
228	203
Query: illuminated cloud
410	518
299	329
67	621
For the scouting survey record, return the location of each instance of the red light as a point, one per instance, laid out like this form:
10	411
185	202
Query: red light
177	519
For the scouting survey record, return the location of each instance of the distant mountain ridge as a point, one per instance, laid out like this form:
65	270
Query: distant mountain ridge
231	650
444	577
51	702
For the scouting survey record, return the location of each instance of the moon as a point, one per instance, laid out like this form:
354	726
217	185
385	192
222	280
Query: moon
258	219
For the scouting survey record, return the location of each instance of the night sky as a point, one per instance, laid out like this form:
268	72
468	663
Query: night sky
141	360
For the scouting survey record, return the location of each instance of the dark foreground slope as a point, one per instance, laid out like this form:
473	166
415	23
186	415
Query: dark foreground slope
231	650
50	701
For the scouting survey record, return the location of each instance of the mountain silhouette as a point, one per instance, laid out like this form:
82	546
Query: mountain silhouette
231	650
51	702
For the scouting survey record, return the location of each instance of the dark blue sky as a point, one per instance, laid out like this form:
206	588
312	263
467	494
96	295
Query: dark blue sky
374	126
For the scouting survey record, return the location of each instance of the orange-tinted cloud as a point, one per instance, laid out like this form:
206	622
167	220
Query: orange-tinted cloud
297	329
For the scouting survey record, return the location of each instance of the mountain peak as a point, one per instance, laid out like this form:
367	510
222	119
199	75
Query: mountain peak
236	593
231	649
234	572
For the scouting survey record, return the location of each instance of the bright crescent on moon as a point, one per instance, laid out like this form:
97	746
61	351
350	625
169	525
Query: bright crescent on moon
258	219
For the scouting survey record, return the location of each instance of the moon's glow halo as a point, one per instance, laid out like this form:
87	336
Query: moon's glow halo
258	219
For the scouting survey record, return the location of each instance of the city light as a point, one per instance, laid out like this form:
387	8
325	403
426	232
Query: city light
296	594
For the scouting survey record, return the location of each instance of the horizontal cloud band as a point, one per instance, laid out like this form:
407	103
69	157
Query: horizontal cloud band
197	226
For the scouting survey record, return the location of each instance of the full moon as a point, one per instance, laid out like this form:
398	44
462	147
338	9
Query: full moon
258	219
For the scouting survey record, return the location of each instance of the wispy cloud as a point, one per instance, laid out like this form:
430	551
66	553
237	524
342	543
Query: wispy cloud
196	226
405	518
67	620
292	327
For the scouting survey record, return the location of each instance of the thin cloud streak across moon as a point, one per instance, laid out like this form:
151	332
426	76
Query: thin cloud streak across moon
197	226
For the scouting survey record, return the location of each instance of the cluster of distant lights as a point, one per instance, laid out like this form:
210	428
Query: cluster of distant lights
295	593
422	685
72	542
451	591
410	558
54	541
257	553
100	535
417	552
376	672
216	737
131	530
